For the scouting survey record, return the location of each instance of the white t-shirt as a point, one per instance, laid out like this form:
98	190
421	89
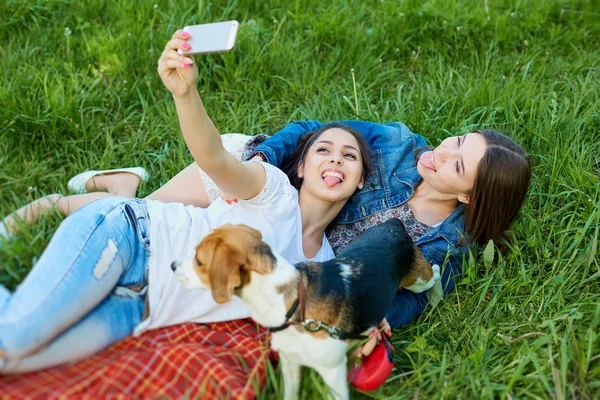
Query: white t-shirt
175	231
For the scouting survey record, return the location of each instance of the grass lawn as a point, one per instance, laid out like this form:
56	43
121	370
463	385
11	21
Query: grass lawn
79	90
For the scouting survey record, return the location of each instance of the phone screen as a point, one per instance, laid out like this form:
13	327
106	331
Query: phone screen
211	38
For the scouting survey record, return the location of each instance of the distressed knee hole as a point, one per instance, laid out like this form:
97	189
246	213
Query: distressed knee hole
106	258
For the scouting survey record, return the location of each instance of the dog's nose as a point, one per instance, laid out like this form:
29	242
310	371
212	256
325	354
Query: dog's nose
174	266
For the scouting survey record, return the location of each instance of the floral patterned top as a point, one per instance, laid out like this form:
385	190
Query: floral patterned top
341	235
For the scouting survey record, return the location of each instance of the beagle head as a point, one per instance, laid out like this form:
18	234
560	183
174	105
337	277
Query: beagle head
224	260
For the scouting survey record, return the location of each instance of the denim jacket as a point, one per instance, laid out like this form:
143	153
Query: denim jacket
392	183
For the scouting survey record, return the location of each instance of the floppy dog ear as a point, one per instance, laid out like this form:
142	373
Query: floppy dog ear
224	272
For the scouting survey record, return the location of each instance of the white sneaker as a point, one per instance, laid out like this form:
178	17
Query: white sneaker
78	182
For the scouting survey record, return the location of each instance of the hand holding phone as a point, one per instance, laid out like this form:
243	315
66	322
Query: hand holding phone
211	38
178	72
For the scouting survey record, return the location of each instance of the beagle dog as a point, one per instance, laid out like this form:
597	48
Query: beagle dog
315	310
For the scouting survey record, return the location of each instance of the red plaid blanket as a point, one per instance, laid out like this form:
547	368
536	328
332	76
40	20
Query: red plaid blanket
221	360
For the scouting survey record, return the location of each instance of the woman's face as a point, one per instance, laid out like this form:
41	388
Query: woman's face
332	169
452	167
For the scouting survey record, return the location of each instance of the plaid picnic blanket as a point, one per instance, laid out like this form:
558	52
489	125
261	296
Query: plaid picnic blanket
213	361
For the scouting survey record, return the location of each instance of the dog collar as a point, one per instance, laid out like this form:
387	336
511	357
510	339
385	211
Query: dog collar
299	302
310	324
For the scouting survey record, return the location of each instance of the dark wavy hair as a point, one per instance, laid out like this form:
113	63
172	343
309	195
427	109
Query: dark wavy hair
290	167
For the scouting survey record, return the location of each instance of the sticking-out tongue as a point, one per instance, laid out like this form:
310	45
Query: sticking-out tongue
331	181
425	160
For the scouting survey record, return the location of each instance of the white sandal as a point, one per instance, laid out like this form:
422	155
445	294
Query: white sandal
78	182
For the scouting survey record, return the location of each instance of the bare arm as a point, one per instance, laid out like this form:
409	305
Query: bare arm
180	75
241	180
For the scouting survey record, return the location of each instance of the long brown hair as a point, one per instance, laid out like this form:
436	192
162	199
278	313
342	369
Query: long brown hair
499	191
299	155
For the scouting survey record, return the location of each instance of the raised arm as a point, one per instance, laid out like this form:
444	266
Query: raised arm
180	75
280	146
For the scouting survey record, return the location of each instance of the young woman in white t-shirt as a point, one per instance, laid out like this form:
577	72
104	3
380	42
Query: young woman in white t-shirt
88	288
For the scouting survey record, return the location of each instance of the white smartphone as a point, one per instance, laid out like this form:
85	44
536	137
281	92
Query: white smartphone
211	38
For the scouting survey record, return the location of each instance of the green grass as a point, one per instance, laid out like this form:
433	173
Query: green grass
526	327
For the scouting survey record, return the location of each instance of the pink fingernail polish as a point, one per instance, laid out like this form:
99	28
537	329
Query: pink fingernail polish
185	35
185	45
184	65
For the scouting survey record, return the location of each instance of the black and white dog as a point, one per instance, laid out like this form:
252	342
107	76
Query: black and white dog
315	310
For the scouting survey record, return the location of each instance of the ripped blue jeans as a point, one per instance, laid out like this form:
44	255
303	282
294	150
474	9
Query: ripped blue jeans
85	293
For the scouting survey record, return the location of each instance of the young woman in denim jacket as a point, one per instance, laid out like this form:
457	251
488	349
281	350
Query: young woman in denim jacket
466	191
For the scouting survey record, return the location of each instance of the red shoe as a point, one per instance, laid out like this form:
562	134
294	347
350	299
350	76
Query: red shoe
375	368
